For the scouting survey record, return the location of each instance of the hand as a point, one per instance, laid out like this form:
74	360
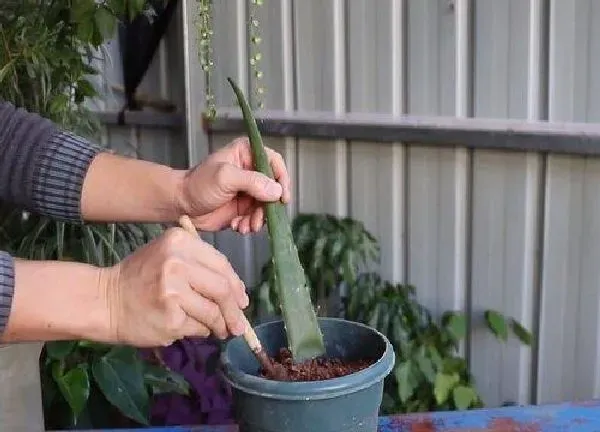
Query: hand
175	286
225	191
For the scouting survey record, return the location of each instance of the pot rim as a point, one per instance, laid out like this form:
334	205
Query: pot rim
310	390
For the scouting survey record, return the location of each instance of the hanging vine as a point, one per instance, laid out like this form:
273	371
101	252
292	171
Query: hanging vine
205	33
255	54
205	52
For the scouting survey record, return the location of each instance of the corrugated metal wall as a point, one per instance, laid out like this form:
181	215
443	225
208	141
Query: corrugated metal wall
471	229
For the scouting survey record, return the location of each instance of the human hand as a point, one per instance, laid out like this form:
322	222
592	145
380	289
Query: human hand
225	191
176	286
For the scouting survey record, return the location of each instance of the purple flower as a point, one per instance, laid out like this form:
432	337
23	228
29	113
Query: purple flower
209	401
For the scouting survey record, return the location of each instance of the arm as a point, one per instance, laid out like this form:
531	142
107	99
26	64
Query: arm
58	174
140	191
43	169
55	301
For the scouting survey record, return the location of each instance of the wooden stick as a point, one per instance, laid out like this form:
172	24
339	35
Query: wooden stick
249	335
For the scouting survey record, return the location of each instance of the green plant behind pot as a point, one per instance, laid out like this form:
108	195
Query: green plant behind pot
46	62
429	375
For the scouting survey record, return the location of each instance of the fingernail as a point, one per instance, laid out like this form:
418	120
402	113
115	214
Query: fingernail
273	188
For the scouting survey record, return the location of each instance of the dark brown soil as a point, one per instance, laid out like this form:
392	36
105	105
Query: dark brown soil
311	370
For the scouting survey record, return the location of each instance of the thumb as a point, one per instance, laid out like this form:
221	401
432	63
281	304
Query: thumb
255	184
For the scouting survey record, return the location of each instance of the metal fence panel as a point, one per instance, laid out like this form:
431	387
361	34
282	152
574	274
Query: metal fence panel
472	229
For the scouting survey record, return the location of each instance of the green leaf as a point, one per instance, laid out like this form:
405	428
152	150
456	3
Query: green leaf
497	324
95	346
135	7
406	380
106	22
58	350
74	386
119	374
6	69
443	384
463	397
164	380
456	323
426	365
521	332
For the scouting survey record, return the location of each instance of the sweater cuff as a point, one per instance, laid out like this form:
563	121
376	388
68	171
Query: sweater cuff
7	288
59	173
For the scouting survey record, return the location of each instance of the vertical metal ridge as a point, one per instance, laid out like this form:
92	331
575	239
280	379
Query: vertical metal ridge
539	279
289	88
399	152
463	17
406	149
463	161
469	213
242	45
347	104
339	103
537	109
294	49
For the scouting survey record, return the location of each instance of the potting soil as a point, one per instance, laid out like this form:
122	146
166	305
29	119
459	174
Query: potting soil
311	370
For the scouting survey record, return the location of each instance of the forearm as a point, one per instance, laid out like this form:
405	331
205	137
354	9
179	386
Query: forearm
123	189
55	300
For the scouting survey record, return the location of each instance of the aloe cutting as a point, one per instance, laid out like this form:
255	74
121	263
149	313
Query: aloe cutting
305	340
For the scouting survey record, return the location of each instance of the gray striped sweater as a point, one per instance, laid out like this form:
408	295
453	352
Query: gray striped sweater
42	170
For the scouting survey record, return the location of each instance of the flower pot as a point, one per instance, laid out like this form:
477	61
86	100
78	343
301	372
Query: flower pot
350	403
20	390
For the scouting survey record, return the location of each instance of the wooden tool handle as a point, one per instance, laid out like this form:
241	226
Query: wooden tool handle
249	335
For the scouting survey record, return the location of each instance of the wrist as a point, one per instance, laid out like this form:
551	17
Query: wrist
180	201
55	300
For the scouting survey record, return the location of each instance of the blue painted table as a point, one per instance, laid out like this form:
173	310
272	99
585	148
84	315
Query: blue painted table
580	417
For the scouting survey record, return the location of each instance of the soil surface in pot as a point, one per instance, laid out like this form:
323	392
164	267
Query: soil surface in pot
311	370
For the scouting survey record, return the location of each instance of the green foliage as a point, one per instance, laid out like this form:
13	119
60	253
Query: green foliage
429	374
47	65
74	371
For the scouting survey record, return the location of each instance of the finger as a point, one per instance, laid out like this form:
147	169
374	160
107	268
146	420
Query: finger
280	172
205	312
203	254
233	179
215	287
194	328
244	226
257	219
235	222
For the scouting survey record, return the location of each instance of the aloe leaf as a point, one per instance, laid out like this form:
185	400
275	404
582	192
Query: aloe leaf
304	336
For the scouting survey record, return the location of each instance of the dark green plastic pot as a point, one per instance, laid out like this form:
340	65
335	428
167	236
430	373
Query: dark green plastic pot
349	404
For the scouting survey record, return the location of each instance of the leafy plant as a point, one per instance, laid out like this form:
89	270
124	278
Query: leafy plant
429	374
47	54
304	336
